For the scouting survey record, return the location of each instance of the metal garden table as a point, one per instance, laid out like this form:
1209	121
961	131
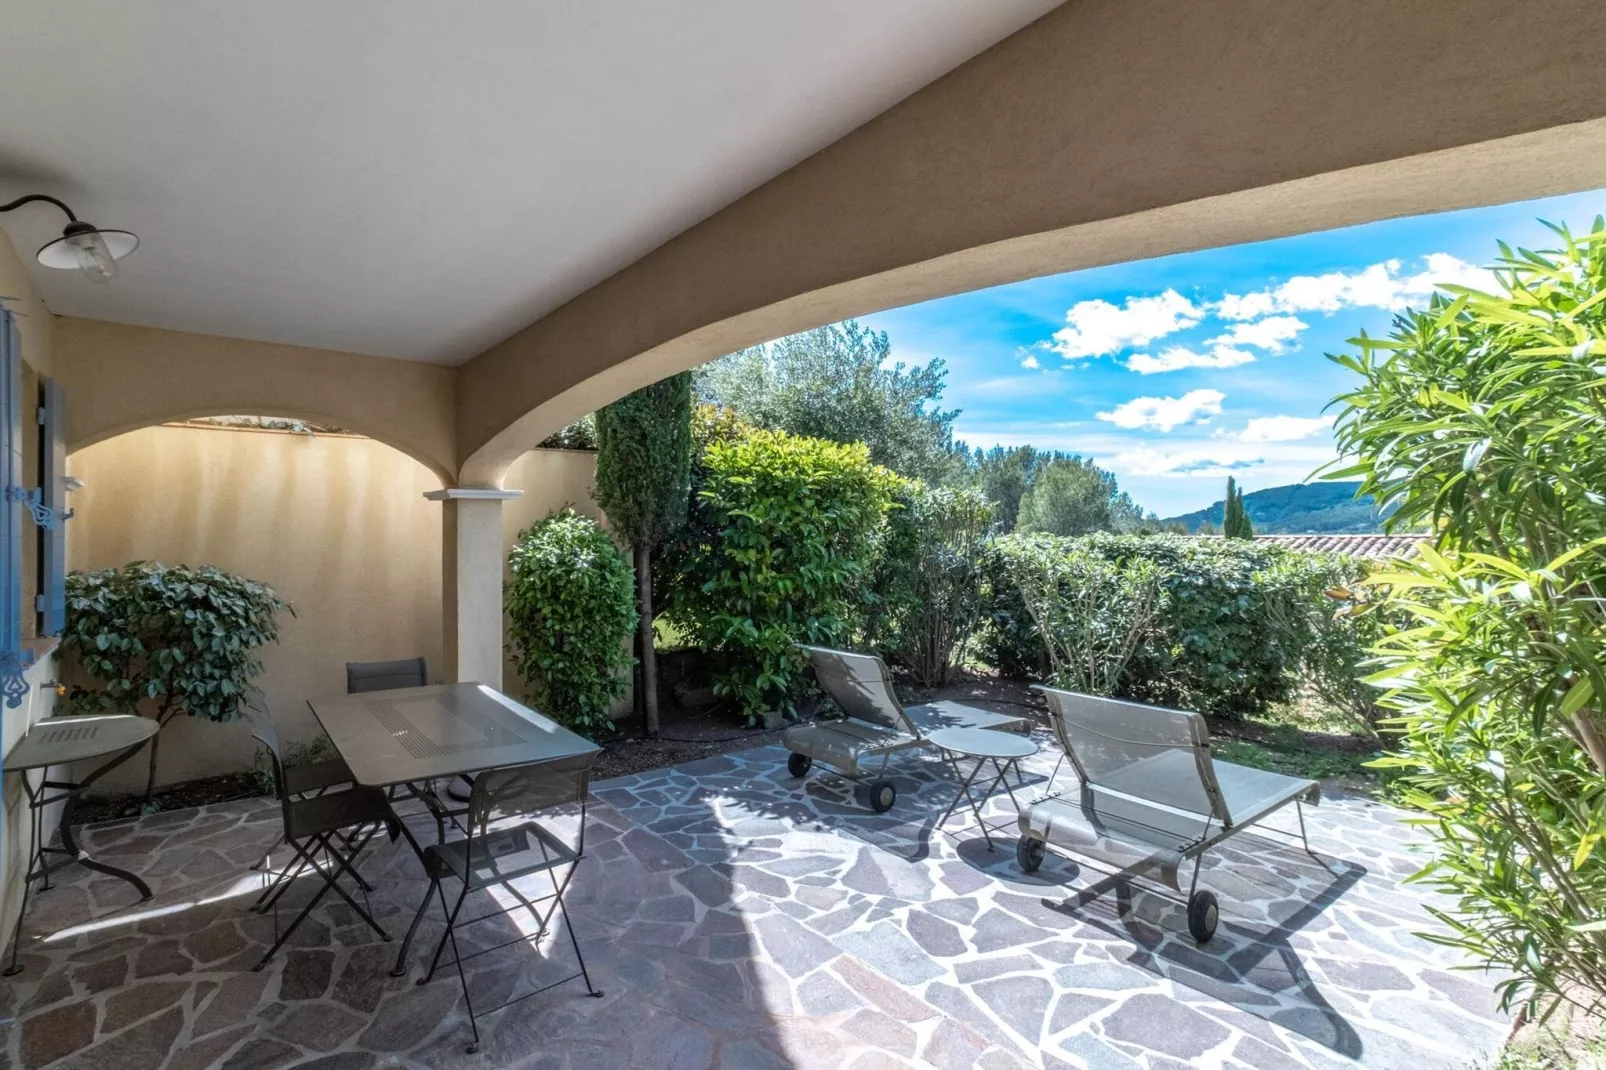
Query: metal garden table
64	741
413	736
1002	749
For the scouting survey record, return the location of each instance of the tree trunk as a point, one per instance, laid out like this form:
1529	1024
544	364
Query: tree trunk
162	717
649	656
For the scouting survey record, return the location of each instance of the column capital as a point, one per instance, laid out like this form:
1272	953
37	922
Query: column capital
473	494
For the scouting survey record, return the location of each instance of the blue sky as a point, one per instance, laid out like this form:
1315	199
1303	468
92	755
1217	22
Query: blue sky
1178	371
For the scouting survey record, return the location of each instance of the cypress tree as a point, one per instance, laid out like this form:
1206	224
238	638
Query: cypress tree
1234	518
643	485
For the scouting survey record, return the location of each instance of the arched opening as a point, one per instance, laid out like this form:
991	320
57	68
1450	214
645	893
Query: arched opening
335	522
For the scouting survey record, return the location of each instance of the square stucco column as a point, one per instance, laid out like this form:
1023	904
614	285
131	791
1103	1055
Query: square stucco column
471	587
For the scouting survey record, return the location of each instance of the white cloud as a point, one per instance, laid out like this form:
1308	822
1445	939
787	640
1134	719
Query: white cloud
1272	334
1178	357
1378	286
1030	362
1096	328
1163	414
1283	428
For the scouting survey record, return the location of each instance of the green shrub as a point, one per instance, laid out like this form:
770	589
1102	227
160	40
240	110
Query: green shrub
1092	614
1219	648
1007	638
1333	619
166	641
572	604
924	596
1483	415
780	537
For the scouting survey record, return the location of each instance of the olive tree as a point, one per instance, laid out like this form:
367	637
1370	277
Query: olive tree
643	483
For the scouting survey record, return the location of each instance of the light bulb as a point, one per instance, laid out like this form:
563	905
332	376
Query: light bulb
94	258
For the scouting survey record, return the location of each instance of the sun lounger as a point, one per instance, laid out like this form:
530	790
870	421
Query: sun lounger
875	725
1151	794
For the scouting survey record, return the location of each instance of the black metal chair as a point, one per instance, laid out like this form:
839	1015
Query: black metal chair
508	852
303	781
316	823
385	675
364	676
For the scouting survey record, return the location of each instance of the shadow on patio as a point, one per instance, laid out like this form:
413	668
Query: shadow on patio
737	917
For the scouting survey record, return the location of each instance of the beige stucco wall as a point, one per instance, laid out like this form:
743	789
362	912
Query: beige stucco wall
338	525
120	378
35	326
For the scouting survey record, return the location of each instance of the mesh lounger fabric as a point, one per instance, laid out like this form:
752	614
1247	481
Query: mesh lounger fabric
877	724
1150	790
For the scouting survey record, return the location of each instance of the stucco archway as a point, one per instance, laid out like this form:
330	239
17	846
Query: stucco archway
1108	130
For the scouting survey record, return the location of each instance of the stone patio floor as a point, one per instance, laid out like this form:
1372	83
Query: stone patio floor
736	917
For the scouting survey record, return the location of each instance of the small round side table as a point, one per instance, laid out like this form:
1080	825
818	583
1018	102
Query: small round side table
1002	749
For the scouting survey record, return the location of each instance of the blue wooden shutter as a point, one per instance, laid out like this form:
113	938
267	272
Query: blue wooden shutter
13	661
52	600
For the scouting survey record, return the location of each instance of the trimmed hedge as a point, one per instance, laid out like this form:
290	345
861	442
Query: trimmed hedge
782	532
1231	634
571	602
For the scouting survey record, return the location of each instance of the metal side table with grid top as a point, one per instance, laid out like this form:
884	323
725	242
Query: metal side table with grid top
63	741
1001	750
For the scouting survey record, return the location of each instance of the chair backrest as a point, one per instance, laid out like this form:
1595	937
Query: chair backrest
385	675
861	685
521	790
1138	761
265	732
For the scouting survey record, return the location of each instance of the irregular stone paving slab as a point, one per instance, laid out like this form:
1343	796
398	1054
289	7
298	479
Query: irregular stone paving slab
735	917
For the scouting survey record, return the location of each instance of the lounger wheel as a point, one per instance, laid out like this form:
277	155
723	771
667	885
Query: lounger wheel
882	796
1203	913
799	764
1029	853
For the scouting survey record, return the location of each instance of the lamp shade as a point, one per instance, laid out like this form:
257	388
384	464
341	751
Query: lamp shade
90	249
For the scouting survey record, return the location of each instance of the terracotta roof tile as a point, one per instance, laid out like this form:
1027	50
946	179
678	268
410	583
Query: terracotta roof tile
1369	546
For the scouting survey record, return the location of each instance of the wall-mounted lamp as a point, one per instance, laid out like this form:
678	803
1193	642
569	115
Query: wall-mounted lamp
84	246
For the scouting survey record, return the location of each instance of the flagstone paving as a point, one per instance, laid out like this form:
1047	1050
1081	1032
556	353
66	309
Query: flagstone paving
737	917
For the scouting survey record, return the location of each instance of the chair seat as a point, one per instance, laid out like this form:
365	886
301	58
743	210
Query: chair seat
319	776
503	854
844	744
336	810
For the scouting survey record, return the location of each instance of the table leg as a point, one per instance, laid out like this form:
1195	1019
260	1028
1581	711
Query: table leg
963	792
35	858
70	846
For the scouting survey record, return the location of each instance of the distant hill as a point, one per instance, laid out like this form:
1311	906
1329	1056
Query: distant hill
1299	509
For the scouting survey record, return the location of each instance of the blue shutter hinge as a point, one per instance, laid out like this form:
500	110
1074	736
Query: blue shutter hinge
34	500
13	684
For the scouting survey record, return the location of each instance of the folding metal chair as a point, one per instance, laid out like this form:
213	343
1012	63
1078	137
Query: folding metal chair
303	781
385	675
364	676
1151	795
314	824
496	853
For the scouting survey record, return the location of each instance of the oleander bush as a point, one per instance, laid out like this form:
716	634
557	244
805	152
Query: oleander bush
1093	615
923	598
571	602
1221	642
1484	417
780	537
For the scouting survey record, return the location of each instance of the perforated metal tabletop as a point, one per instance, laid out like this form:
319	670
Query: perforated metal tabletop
64	740
423	733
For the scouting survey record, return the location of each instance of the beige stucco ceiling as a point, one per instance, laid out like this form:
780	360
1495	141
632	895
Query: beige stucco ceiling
417	179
